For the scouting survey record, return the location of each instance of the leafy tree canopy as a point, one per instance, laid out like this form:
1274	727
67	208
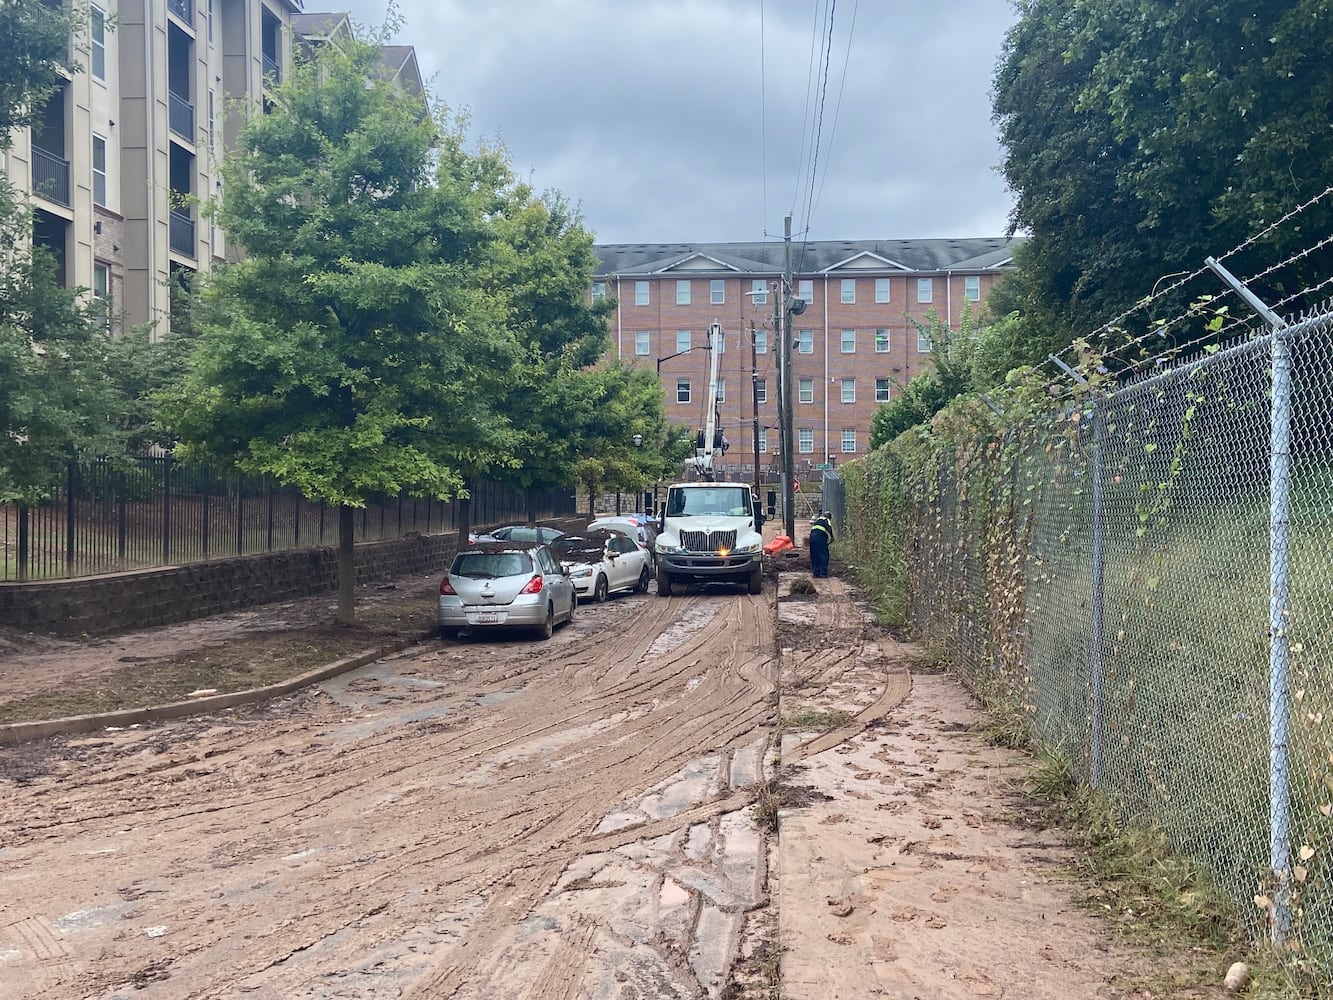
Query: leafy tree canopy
1141	137
35	40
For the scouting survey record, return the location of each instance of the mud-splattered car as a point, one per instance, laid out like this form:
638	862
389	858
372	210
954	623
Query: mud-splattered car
505	585
602	561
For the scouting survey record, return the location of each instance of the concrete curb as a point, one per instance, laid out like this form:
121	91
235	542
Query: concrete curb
23	732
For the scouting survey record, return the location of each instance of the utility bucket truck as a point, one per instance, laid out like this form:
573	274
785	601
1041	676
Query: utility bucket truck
710	531
710	534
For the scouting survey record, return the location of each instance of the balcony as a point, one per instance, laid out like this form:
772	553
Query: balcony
181	116
181	233
184	9
50	176
272	71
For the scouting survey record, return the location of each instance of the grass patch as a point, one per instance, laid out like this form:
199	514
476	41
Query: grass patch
802	585
1157	898
822	719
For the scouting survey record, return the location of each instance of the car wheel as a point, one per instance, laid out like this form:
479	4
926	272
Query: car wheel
573	606
757	581
642	586
547	628
600	590
663	584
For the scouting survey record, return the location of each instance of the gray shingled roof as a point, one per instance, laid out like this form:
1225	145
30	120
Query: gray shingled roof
317	24
809	258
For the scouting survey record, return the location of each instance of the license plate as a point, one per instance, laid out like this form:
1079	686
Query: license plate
486	618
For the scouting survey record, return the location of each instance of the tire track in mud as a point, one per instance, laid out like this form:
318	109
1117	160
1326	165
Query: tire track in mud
293	854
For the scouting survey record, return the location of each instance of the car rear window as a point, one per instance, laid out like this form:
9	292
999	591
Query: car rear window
484	565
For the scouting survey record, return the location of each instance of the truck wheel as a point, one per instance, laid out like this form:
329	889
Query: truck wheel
757	581
663	584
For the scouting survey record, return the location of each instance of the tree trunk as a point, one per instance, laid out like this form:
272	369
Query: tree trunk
464	519
592	501
346	567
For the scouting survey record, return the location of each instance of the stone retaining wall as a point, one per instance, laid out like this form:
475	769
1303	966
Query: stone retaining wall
116	602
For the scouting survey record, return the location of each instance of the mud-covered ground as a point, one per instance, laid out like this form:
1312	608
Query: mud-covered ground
700	796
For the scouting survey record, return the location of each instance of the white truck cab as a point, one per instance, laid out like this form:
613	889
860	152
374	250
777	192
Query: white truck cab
710	534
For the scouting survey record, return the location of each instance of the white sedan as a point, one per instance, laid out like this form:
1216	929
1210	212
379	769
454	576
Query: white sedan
601	562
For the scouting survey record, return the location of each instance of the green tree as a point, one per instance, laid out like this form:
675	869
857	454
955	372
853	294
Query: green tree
1141	137
968	359
35	39
342	354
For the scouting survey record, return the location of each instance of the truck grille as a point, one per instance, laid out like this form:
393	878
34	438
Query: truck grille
707	541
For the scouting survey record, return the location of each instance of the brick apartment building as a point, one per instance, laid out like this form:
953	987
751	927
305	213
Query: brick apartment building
127	149
854	347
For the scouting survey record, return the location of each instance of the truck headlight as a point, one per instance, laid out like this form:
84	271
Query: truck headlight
667	547
752	547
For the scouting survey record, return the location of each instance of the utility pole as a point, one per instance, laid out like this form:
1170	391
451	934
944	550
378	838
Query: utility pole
754	396
784	353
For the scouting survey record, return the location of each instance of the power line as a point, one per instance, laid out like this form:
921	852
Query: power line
837	105
763	125
819	129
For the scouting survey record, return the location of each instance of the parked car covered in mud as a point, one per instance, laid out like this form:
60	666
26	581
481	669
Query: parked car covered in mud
505	585
601	562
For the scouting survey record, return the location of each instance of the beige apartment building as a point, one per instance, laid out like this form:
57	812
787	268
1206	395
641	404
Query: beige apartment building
127	150
854	347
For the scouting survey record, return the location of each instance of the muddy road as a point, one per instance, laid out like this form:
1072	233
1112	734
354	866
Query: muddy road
502	818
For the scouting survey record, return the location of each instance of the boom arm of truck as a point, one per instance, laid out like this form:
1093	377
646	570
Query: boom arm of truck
703	456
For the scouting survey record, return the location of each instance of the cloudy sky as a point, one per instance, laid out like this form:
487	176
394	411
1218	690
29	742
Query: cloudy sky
695	120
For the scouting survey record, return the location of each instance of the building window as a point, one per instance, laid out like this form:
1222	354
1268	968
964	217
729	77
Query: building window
805	440
682	390
848	341
210	20
849	390
805	341
759	291
763	440
806	390
972	287
97	35
99	171
881	390
721	390
598	290
848	441
102	290
925	290
642	345
640	293
849	290
881	289
682	341
761	390
717	291
761	341
922	341
683	292
881	341
805	290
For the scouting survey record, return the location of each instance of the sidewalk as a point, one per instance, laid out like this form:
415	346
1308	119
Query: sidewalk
917	869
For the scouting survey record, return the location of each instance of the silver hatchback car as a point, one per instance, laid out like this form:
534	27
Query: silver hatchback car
505	585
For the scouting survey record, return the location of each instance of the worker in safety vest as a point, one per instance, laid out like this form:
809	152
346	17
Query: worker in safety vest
821	536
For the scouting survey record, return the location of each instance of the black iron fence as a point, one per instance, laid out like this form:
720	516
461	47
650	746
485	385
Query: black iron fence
106	519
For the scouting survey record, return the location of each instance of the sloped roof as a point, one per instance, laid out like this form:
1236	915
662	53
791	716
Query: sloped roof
810	258
320	25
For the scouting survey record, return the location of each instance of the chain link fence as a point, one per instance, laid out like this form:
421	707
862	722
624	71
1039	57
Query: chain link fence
1146	578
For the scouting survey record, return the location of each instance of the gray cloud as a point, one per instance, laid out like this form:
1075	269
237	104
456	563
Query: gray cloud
651	113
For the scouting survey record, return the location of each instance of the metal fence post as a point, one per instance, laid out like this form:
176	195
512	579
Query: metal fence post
1098	584
166	511
69	518
1096	652
1279	574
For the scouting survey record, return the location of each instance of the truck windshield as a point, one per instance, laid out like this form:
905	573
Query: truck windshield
727	501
